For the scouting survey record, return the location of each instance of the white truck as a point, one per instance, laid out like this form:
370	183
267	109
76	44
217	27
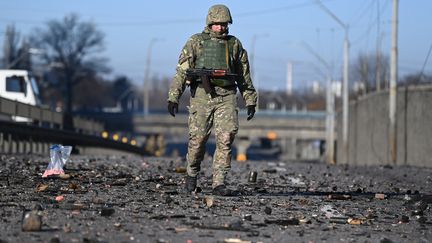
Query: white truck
19	85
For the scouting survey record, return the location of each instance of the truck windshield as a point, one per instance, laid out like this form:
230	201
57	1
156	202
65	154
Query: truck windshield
35	90
16	84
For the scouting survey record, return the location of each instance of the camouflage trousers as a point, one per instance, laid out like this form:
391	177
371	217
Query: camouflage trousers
205	113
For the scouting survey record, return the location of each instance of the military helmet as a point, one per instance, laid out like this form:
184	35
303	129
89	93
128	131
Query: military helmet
218	14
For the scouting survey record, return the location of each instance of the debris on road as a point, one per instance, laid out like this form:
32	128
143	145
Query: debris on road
32	221
59	198
129	199
380	196
234	240
339	197
59	155
355	221
209	201
252	177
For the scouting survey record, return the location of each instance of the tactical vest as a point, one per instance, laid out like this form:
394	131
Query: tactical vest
216	54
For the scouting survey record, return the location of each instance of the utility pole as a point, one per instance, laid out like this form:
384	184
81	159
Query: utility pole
146	77
393	85
329	106
252	67
345	82
378	53
345	102
289	80
252	64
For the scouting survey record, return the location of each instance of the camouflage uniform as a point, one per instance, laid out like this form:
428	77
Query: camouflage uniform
221	111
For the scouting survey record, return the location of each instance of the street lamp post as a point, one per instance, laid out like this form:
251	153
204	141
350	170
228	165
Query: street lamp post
345	144
252	62
34	51
146	76
329	106
393	85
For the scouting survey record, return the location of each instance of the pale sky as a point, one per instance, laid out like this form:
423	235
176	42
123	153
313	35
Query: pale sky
276	26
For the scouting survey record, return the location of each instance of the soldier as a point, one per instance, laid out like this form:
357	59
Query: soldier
213	49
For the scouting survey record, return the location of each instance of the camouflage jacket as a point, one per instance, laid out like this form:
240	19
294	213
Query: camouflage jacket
240	64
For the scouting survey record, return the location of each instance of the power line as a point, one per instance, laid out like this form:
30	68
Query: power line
182	21
238	15
369	28
273	10
362	13
371	23
153	23
425	62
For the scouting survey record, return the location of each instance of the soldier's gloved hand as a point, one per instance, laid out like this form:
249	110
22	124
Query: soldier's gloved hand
172	108
250	111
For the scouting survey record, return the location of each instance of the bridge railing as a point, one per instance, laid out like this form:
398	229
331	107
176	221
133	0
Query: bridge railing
31	129
300	126
45	117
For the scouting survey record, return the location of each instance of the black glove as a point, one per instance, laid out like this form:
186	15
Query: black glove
250	111
172	108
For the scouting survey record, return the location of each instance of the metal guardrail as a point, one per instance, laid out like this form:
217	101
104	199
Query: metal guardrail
42	127
44	117
303	126
23	138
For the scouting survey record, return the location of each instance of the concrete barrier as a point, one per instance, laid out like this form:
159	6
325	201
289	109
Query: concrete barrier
369	128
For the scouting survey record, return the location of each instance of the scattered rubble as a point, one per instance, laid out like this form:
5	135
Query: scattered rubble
134	199
381	196
32	221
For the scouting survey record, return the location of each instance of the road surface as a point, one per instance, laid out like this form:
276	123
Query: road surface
140	199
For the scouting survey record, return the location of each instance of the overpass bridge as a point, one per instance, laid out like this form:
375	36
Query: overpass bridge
287	130
293	131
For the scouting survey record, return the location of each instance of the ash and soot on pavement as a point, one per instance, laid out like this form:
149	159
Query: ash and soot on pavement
140	199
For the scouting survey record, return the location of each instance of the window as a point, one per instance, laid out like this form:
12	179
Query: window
16	84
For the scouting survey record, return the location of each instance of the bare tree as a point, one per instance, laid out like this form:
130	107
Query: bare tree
15	56
415	79
121	87
10	46
70	46
92	101
365	71
23	60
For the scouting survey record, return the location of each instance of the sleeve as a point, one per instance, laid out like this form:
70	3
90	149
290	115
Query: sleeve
244	83
185	61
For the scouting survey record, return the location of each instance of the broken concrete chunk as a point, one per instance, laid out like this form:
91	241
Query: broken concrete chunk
380	196
339	196
107	211
235	240
209	201
180	170
331	212
32	221
268	210
354	221
64	176
284	222
404	219
248	217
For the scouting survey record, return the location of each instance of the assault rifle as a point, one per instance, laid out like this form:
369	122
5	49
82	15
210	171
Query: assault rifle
224	78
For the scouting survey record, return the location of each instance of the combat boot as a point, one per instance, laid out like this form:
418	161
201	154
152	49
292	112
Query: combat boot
222	190
191	183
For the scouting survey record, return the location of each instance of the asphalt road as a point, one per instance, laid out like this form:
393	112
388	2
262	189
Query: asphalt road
139	199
